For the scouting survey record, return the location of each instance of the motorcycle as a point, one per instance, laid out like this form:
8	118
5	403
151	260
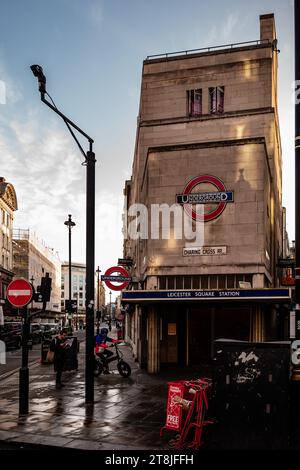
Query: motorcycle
124	369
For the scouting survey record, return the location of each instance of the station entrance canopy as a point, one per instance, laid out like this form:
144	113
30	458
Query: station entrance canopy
248	295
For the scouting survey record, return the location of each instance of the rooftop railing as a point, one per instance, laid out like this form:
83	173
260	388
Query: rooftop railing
167	55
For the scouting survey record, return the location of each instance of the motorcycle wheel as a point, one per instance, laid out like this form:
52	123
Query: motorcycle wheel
124	369
98	369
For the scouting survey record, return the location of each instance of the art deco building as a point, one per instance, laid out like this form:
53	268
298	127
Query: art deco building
208	134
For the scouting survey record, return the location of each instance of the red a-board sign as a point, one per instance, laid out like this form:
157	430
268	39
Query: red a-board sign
19	292
174	410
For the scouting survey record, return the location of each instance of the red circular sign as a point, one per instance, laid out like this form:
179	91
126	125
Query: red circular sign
19	292
121	271
220	206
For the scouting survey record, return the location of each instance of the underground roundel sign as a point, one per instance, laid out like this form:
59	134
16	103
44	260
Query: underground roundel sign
116	274
19	292
209	191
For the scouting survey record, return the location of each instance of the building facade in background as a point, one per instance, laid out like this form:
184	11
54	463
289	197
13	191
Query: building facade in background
78	290
8	205
32	259
208	133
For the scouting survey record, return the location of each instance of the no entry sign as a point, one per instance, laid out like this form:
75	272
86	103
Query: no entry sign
19	293
116	274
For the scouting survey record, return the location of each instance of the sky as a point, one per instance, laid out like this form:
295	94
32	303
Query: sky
92	53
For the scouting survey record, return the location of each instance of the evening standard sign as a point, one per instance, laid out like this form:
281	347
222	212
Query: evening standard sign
205	251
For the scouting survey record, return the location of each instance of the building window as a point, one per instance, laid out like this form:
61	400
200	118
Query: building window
196	282
195	102
204	282
213	281
62	295
187	282
171	284
179	282
62	303
80	295
222	281
162	282
216	97
239	278
248	278
230	281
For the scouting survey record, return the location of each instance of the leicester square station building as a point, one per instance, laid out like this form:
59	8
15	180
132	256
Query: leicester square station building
208	127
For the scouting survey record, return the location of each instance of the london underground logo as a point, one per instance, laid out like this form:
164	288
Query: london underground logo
215	200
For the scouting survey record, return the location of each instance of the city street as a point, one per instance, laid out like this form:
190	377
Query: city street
14	356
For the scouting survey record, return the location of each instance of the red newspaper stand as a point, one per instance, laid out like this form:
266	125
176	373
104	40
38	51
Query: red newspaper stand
186	408
174	410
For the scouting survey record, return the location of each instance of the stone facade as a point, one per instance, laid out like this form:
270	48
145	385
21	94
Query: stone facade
32	259
8	205
237	142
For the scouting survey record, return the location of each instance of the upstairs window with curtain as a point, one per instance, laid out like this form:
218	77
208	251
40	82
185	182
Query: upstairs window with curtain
195	102
216	97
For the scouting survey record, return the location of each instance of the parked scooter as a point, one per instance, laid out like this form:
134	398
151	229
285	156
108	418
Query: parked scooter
124	369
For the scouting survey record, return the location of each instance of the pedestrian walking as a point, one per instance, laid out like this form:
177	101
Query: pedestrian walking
59	346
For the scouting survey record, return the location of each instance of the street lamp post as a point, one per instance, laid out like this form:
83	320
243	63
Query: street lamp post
32	281
69	223
89	162
98	271
297	169
110	309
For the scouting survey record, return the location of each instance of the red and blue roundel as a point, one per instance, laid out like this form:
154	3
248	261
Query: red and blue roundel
214	200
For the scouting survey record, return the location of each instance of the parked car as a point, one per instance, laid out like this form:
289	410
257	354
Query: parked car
36	333
49	329
11	334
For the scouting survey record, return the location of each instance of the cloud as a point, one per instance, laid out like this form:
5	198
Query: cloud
45	168
10	91
231	22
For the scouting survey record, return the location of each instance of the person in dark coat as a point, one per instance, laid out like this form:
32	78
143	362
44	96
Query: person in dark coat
59	346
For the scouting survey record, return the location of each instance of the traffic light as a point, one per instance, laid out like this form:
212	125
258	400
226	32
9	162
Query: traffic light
98	315
45	288
43	291
71	306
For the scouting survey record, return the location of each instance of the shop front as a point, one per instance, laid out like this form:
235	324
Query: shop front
180	326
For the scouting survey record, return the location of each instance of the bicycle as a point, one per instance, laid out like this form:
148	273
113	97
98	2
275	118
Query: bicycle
123	367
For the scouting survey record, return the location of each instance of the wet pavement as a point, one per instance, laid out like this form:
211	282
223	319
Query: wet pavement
127	414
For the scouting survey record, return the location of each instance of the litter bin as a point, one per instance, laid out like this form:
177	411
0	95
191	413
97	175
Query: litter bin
71	354
44	350
251	395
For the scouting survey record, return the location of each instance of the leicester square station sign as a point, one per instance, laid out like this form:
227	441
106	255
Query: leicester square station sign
278	295
218	198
